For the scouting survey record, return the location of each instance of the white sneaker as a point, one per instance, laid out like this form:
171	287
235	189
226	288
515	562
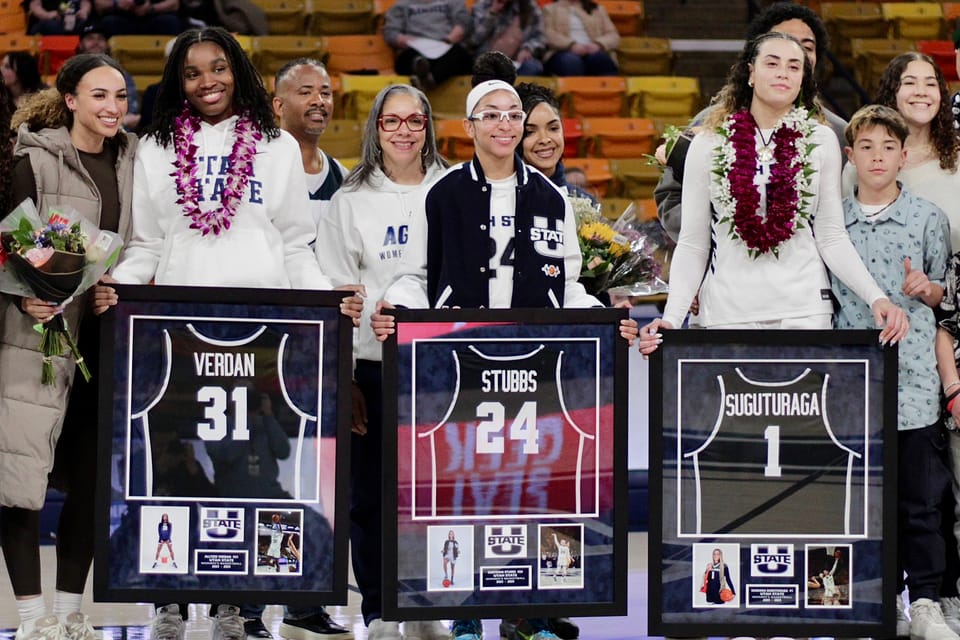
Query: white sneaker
79	628
167	624
384	630
425	630
951	613
903	620
228	625
927	622
47	628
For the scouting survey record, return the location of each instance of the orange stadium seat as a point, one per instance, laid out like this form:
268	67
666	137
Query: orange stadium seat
17	42
634	177
272	52
619	137
645	56
550	82
342	17
572	136
284	17
590	96
139	54
359	53
453	141
663	96
943	54
13	22
597	171
342	138
913	20
951	11
54	51
626	15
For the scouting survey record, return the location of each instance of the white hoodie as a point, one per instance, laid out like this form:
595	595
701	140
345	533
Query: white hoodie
361	239
267	244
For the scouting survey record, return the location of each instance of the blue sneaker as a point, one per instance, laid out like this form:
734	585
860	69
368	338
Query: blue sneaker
467	630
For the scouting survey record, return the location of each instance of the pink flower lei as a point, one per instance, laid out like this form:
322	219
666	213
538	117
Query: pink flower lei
240	169
735	167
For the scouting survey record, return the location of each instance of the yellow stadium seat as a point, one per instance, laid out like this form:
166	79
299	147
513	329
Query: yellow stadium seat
453	141
846	21
449	100
356	53
272	52
342	138
626	15
613	208
139	54
645	56
284	17
145	80
341	17
913	20
663	96
634	177
590	96
597	171
359	92
246	43
871	56
619	137
349	163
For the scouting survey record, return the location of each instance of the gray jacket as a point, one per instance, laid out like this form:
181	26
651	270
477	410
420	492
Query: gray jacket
31	414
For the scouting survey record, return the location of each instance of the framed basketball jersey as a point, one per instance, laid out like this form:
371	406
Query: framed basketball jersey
510	463
772	480
225	418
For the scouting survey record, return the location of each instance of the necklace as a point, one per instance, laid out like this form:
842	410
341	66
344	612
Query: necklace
240	168
765	153
737	198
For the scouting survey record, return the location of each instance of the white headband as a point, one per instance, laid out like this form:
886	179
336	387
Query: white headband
478	92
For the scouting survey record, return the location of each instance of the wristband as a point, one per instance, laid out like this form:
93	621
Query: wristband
955	383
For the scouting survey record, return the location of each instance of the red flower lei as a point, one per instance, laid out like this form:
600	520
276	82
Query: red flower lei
240	169
789	173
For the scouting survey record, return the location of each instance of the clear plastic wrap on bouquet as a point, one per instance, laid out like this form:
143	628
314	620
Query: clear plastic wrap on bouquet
53	257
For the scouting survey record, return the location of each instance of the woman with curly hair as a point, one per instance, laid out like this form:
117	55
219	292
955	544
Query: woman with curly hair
70	152
914	85
762	183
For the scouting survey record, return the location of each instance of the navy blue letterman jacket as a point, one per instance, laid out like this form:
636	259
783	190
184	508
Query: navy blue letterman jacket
459	243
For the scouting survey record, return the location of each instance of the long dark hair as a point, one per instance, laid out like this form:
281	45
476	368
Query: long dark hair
7	108
28	73
943	134
249	94
737	93
47	109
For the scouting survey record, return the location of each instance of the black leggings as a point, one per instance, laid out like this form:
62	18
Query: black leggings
75	472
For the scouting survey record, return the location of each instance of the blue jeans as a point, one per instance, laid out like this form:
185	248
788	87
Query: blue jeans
564	63
530	67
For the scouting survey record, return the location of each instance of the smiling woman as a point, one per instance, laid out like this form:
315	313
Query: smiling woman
70	153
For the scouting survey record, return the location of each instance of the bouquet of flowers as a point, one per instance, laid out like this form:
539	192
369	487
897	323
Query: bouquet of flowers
618	258
53	257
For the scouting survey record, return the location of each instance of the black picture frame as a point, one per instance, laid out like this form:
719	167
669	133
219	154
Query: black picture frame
813	520
263	499
506	577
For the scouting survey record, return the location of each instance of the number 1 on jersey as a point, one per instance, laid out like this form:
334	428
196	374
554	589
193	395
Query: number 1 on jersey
214	401
772	435
523	427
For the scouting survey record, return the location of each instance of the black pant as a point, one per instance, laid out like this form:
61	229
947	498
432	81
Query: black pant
925	479
366	493
455	62
75	473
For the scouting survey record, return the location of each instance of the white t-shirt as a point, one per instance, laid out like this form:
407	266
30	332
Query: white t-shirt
503	204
